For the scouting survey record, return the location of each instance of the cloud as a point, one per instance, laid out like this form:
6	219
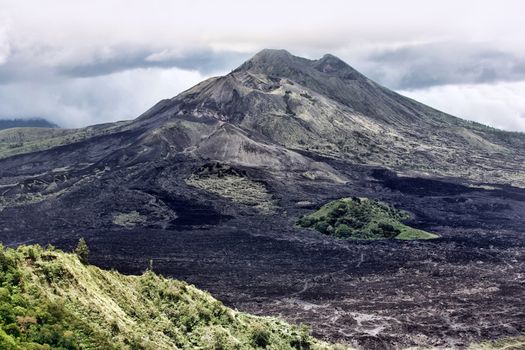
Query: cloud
82	101
205	61
442	63
5	47
499	105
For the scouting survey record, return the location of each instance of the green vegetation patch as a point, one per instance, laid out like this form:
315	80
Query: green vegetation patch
362	218
227	182
513	343
53	300
26	140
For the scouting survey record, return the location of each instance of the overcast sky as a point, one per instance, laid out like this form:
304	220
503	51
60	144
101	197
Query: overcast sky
83	62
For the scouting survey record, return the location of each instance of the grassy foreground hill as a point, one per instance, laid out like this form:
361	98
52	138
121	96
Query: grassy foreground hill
51	300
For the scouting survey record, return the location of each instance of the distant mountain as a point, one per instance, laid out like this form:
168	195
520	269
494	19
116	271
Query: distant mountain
211	184
26	123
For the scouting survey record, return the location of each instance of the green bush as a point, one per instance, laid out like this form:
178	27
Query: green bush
388	230
260	336
7	342
361	218
322	226
82	251
343	231
306	221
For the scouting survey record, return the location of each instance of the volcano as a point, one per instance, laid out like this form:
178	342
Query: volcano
209	186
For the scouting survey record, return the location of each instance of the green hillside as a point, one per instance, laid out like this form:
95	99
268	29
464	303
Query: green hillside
51	300
27	139
362	218
26	123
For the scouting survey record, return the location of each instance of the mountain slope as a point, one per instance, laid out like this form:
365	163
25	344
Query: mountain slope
327	108
308	108
210	184
49	297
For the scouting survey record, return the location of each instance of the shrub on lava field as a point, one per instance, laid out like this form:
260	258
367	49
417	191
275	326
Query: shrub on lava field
339	210
306	221
361	218
322	226
343	231
387	230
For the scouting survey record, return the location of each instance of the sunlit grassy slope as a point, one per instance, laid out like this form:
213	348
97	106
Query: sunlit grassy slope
50	300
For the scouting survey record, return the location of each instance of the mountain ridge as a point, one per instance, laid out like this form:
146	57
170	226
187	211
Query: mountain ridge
306	104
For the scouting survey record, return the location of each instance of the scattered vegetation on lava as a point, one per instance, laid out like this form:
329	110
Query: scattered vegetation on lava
227	182
511	343
52	300
362	218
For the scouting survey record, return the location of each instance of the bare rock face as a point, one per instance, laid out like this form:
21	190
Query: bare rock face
285	135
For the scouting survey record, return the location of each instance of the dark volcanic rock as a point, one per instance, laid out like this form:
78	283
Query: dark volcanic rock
294	133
